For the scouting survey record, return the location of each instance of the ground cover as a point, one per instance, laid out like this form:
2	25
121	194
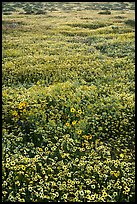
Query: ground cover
68	96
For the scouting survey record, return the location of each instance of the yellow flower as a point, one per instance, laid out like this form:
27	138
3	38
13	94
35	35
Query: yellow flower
72	110
40	149
92	197
93	186
125	192
7	159
22	200
79	111
36	157
22	104
38	82
87	137
74	122
88	191
67	124
117	174
121	155
108	187
126	189
119	187
30	188
15	113
88	181
111	172
17	183
24	110
65	196
23	167
88	196
105	194
12	163
81	192
115	194
79	132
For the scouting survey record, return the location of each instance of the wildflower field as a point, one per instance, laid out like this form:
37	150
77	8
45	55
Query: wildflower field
68	102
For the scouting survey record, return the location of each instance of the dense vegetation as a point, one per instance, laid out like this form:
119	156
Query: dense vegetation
68	93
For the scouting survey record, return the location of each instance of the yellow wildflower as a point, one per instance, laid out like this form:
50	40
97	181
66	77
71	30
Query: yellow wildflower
74	122
22	105
12	163
38	82
115	194
121	155
72	110
15	113
24	110
117	174
23	167
79	111
105	194
67	124
65	196
87	137
127	189
92	197
79	132
7	159
40	149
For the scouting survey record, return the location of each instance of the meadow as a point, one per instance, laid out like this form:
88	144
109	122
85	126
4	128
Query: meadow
68	102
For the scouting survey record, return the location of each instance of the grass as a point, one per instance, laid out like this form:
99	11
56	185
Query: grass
68	93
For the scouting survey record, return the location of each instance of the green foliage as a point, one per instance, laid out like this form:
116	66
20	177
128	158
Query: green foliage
68	7
68	104
130	22
90	26
105	12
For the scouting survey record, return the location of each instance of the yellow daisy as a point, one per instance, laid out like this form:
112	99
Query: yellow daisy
74	122
67	124
79	111
23	167
15	113
121	155
72	110
79	132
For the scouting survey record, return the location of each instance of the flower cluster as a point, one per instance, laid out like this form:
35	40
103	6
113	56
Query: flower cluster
75	143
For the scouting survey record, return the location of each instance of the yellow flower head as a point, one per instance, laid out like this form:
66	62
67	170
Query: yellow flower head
12	163
127	189
23	167
92	197
65	196
121	155
22	105
74	122
24	110
79	132
87	137
15	113
79	111
67	124
72	110
115	194
40	149
38	82
117	174
105	194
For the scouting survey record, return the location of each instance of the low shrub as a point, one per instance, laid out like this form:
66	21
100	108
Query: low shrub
130	22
